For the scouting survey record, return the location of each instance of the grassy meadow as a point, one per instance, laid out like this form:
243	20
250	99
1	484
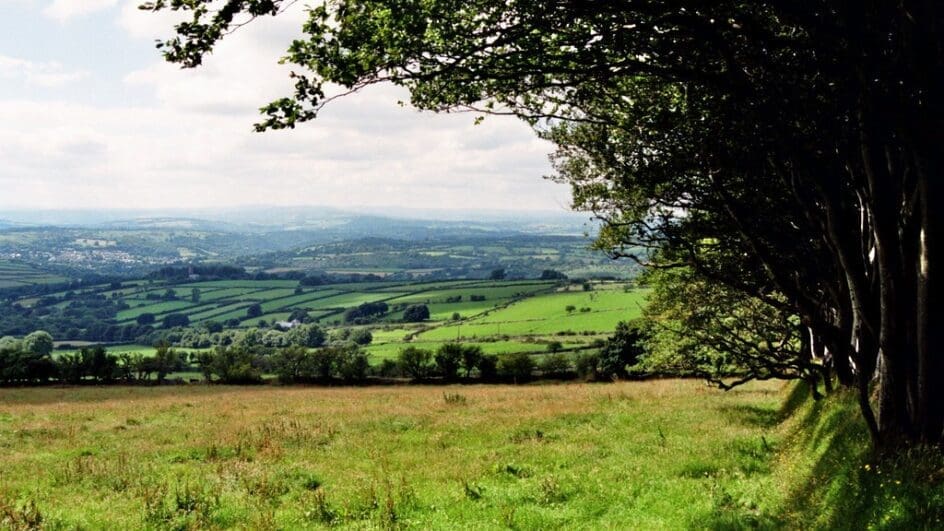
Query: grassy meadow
660	454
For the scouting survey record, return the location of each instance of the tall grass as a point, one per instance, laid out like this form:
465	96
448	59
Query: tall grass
662	454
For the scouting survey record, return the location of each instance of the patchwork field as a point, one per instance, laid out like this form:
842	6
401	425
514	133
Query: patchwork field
15	275
500	316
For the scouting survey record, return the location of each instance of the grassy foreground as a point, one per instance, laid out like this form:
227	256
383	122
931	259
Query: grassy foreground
660	454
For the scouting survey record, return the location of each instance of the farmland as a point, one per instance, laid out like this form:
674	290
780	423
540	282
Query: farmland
663	454
500	316
17	275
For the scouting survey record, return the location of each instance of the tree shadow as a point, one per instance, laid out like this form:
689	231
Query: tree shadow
751	416
843	485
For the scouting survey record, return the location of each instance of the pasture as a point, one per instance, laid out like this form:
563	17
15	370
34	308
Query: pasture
662	454
15	275
500	316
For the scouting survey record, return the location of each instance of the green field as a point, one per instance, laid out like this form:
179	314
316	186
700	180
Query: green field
507	317
547	315
665	454
17	275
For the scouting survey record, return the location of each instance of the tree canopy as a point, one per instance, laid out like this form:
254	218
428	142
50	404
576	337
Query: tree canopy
786	151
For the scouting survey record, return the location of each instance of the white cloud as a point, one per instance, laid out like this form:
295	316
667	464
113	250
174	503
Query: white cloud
39	74
63	10
193	145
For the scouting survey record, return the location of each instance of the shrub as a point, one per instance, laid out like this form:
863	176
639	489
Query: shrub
555	346
517	366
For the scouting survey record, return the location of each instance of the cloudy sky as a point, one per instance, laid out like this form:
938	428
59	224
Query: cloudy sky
90	117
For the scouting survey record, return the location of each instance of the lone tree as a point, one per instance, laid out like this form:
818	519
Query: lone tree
254	310
789	151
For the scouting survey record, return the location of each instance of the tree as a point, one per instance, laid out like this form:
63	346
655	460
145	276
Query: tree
195	295
172	320
798	142
352	364
300	315
289	363
555	366
448	360
253	311
497	274
550	274
415	362
416	313
623	349
517	366
38	343
166	360
471	358
145	319
365	313
362	336
306	335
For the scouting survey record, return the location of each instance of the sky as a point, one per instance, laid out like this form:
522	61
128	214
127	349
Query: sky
91	117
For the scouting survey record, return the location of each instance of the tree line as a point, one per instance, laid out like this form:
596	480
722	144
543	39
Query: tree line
313	358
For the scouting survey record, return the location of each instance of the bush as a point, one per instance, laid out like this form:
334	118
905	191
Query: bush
555	346
517	366
415	362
